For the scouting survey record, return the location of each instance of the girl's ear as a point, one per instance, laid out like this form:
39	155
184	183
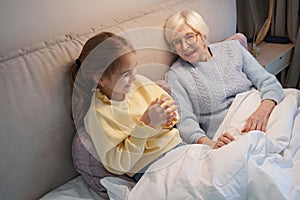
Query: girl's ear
99	80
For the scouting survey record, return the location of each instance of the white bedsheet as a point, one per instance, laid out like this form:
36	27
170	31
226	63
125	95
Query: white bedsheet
255	166
75	189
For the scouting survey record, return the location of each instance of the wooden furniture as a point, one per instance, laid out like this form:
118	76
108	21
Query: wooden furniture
275	57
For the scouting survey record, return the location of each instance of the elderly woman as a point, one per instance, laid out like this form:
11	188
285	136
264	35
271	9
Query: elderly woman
206	78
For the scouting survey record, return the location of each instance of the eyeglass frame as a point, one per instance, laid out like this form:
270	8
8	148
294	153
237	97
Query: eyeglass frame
185	40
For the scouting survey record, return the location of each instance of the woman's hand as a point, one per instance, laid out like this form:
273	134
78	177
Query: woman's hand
259	119
160	112
224	139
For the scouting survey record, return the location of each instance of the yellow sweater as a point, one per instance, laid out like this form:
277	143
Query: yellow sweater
123	143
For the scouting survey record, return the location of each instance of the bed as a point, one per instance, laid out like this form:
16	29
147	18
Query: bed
257	165
145	31
37	130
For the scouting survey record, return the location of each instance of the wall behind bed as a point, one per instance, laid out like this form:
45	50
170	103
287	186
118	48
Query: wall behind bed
25	22
35	107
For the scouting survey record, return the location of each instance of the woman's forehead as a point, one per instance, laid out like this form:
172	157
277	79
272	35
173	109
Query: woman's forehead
183	30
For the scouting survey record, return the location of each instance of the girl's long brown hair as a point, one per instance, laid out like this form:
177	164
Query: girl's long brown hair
99	56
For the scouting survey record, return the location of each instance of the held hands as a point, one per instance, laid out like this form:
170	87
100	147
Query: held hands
259	119
223	140
160	112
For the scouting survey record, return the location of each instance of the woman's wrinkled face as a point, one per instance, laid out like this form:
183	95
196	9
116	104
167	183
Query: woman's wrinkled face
188	44
119	83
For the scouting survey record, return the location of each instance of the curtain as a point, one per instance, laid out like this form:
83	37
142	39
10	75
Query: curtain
285	23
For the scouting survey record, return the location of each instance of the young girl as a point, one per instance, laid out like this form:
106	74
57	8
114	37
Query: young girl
129	118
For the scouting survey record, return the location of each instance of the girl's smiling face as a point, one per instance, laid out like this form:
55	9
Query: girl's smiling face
116	85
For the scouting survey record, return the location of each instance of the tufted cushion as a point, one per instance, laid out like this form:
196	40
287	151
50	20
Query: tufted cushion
240	37
88	165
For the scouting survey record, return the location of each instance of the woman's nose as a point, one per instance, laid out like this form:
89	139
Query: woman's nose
184	45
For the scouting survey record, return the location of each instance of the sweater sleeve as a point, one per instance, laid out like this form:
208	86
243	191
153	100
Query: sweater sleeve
119	147
188	125
265	82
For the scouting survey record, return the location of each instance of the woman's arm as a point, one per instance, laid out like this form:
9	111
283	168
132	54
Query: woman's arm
265	82
259	119
188	125
270	89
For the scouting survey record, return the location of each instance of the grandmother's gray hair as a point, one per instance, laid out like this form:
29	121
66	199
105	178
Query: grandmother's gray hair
190	18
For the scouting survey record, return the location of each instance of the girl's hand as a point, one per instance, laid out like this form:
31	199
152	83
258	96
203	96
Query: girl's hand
159	113
259	119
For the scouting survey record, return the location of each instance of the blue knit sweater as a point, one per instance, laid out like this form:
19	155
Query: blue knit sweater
204	91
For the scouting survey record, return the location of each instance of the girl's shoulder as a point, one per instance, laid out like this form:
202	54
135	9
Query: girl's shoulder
141	80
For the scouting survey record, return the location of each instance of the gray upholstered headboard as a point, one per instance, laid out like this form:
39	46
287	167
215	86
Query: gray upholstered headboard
36	127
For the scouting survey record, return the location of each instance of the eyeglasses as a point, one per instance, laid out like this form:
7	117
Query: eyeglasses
189	39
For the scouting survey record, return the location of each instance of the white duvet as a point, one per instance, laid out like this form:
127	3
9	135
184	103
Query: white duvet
255	166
